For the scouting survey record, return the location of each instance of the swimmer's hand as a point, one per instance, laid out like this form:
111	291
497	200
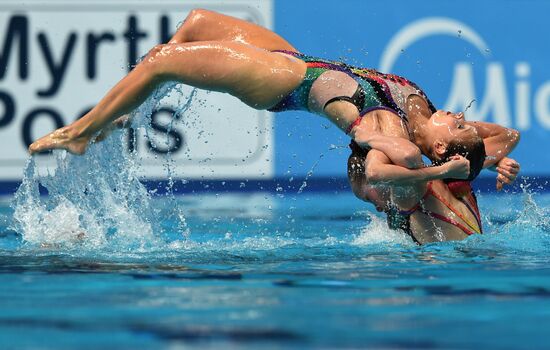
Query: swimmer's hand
457	167
363	136
507	169
66	138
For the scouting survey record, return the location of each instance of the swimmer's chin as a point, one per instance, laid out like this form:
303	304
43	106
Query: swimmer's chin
64	138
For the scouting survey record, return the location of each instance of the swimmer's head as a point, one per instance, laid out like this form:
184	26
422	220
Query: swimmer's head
472	149
444	128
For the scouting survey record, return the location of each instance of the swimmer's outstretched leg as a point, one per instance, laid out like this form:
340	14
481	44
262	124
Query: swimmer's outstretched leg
205	25
257	77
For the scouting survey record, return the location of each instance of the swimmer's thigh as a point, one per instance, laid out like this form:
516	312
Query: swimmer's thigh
259	78
205	25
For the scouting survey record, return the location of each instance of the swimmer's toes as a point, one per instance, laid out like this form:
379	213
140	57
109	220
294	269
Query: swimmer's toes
52	141
37	147
32	149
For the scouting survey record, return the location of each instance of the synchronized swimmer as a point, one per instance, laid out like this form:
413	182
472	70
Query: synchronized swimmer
390	119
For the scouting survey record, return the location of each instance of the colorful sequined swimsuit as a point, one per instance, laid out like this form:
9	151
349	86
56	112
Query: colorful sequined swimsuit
375	90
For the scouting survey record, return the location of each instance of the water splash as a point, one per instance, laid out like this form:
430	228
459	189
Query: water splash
90	198
518	226
378	233
526	229
176	212
310	174
95	199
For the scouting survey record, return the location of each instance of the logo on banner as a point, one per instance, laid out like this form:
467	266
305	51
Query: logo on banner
495	100
58	59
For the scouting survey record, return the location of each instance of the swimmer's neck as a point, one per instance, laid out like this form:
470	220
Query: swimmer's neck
418	118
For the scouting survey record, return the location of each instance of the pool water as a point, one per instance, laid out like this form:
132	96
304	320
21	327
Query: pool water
102	263
279	271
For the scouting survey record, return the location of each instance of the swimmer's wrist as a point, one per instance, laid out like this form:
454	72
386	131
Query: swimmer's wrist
364	140
438	172
430	173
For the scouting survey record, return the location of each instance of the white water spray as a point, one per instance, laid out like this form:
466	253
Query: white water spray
97	198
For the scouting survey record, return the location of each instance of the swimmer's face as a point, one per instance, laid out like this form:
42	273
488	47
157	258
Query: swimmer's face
444	127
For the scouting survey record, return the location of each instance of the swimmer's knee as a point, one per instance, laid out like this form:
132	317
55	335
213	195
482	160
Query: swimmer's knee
194	24
156	56
156	51
197	14
154	65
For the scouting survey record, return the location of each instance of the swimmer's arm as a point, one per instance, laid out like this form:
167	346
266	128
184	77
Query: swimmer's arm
499	141
414	191
379	171
400	151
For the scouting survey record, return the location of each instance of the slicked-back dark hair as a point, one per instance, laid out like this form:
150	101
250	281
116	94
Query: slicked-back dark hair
472	149
356	160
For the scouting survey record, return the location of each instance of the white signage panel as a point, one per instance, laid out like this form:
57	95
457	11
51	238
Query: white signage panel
58	58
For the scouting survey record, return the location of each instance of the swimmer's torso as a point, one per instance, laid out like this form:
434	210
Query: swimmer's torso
328	81
440	216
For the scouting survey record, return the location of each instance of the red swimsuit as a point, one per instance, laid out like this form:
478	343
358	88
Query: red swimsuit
469	201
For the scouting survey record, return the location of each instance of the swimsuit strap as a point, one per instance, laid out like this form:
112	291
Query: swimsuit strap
472	206
474	228
357	99
356	122
409	212
448	220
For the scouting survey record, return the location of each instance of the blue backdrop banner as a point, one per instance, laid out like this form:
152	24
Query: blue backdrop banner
489	57
491	52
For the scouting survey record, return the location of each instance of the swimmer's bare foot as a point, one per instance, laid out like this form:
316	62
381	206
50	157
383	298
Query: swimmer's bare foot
64	138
